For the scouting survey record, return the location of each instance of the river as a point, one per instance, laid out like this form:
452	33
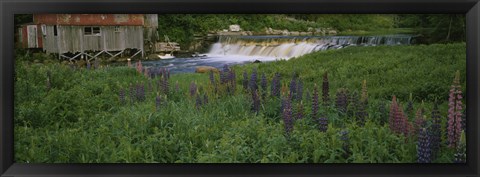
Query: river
239	50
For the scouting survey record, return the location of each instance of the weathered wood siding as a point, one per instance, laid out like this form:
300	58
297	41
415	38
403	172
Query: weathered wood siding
151	20
73	39
89	19
151	25
32	40
50	41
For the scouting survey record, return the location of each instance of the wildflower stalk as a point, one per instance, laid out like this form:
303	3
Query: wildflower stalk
424	151
287	115
315	103
325	90
455	108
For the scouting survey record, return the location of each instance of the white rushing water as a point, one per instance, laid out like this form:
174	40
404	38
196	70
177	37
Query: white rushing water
286	47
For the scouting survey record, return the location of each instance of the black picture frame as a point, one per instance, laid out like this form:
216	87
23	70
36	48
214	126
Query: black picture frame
10	7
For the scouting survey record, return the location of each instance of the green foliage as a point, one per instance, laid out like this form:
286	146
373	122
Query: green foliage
349	22
441	28
423	70
22	18
182	27
80	119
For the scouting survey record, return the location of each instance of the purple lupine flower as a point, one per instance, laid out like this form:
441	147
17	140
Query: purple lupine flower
436	129
323	123
255	102
159	72
245	80
193	89
140	92
168	73
424	151
165	85
211	77
315	105
325	90
361	114
293	87
88	65
224	74
393	111
342	100
398	122
122	96
300	111
158	102
159	85
227	84
226	68
299	91
287	115
151	73
139	66
276	85
198	102
163	73
253	81
455	112
263	84
223	78
345	143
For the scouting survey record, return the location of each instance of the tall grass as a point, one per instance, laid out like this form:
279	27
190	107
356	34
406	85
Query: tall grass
79	117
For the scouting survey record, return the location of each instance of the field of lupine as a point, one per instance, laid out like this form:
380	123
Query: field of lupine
385	104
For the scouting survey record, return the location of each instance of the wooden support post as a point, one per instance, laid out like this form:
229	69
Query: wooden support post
137	54
108	53
94	56
116	55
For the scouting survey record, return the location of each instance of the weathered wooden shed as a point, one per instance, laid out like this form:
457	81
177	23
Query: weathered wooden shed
29	36
90	35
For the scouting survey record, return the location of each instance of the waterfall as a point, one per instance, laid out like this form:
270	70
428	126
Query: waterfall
286	47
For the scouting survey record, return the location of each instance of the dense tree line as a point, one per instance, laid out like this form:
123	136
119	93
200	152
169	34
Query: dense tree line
439	28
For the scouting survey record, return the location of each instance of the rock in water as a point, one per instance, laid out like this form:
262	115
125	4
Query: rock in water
205	69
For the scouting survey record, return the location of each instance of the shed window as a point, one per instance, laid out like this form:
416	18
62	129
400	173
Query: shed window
92	31
117	29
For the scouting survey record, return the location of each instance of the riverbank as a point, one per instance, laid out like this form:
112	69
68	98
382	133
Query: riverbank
89	115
